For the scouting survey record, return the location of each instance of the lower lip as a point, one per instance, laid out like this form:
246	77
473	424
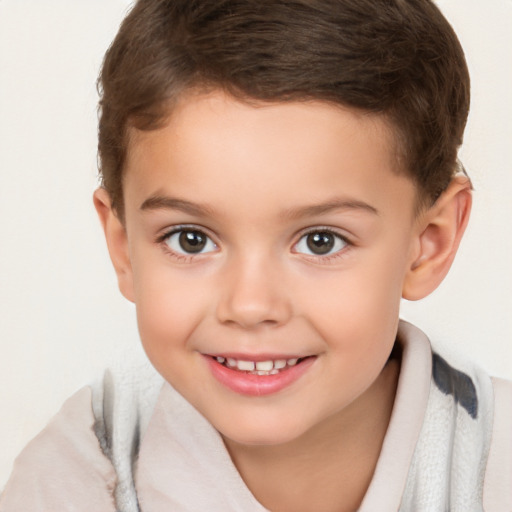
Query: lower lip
258	385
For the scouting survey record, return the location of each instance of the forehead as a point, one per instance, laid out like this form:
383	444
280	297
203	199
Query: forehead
214	146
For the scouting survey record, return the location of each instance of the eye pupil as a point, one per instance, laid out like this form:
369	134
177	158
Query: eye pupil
192	241
320	243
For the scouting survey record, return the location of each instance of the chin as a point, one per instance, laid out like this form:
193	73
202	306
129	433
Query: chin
259	433
259	438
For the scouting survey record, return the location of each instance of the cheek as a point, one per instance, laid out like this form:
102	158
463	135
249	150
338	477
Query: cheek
360	303
359	295
169	307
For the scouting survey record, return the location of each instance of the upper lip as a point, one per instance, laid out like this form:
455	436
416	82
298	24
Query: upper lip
258	357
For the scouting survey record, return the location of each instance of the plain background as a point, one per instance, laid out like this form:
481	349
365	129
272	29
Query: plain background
62	319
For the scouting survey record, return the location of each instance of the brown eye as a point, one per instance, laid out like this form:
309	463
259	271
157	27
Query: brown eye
190	241
320	243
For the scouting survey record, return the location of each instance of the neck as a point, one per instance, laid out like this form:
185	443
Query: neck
328	468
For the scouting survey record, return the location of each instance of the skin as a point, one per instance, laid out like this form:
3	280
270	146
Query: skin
256	179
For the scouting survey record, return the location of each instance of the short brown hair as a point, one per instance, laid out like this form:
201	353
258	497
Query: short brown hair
396	58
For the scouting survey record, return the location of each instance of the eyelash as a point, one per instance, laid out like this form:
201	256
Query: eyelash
183	257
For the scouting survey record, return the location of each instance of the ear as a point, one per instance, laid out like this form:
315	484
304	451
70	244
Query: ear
117	242
439	232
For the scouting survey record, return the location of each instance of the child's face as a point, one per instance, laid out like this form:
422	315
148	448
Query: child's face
267	233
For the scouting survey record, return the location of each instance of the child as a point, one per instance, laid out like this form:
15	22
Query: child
276	176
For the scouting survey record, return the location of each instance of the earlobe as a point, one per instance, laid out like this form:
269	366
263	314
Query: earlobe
439	233
117	242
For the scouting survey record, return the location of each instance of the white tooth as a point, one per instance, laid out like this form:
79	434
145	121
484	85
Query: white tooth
220	359
264	365
231	362
247	366
274	372
279	363
292	362
262	372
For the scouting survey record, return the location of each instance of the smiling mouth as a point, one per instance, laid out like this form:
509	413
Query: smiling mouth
268	367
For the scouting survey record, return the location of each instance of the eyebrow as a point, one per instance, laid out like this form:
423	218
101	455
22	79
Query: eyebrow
329	206
173	203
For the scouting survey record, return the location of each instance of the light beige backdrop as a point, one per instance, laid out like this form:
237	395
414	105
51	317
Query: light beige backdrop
62	319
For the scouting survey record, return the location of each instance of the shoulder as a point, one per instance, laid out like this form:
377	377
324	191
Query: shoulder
83	458
467	415
481	431
64	464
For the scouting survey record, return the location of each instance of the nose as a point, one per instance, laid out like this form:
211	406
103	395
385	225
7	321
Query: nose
253	294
